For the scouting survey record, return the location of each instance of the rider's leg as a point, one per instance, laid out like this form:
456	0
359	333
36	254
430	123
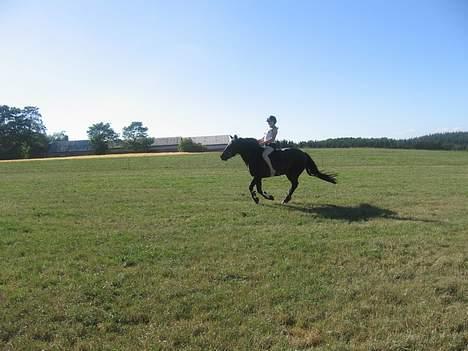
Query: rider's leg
268	150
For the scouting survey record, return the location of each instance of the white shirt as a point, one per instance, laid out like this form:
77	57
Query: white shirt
270	135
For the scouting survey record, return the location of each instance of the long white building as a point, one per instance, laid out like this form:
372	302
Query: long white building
84	147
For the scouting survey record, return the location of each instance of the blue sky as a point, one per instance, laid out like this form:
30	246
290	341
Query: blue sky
324	68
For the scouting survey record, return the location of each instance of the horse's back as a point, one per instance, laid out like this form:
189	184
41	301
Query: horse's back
290	152
288	159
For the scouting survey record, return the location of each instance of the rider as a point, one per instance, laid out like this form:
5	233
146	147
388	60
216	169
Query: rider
267	141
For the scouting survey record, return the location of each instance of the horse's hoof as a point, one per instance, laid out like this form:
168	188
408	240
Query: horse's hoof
285	201
256	200
270	197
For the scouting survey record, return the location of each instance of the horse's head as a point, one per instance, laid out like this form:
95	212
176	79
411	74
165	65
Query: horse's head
245	147
232	149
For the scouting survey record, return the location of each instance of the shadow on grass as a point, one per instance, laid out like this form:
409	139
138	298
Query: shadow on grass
363	212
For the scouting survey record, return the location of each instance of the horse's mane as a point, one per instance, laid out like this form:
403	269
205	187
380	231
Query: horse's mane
250	142
250	149
250	145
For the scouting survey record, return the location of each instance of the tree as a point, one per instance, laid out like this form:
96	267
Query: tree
22	132
135	137
59	136
101	135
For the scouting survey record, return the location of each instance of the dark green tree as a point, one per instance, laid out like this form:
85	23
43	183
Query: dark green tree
59	136
286	143
135	137
101	135
22	132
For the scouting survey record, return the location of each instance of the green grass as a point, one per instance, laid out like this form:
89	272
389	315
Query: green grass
171	253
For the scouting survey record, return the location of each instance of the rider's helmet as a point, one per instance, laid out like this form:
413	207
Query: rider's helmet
271	119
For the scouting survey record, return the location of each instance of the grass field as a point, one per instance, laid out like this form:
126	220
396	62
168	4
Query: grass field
170	253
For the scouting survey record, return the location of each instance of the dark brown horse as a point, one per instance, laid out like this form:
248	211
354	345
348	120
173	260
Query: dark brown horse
290	162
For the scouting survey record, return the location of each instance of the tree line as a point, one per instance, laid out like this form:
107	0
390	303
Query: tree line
438	141
23	135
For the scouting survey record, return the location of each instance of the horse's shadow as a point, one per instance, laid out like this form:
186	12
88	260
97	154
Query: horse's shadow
362	212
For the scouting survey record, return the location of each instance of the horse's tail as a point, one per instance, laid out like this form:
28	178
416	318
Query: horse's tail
312	170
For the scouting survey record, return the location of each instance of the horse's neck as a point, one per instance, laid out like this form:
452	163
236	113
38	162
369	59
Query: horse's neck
245	158
250	156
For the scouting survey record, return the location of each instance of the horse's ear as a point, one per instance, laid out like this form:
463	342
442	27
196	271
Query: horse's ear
235	137
231	137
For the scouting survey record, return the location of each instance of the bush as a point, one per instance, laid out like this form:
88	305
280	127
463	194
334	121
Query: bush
188	145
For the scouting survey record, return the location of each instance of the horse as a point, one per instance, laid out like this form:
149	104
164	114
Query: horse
290	162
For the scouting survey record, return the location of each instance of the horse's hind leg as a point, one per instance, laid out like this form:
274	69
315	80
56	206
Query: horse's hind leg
252	192
264	194
294	184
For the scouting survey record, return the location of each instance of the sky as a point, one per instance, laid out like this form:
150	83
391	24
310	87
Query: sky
325	69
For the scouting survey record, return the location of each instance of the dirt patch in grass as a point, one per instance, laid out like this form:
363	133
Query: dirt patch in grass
304	338
88	157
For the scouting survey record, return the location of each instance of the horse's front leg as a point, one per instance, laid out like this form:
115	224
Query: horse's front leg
253	192
294	184
261	192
